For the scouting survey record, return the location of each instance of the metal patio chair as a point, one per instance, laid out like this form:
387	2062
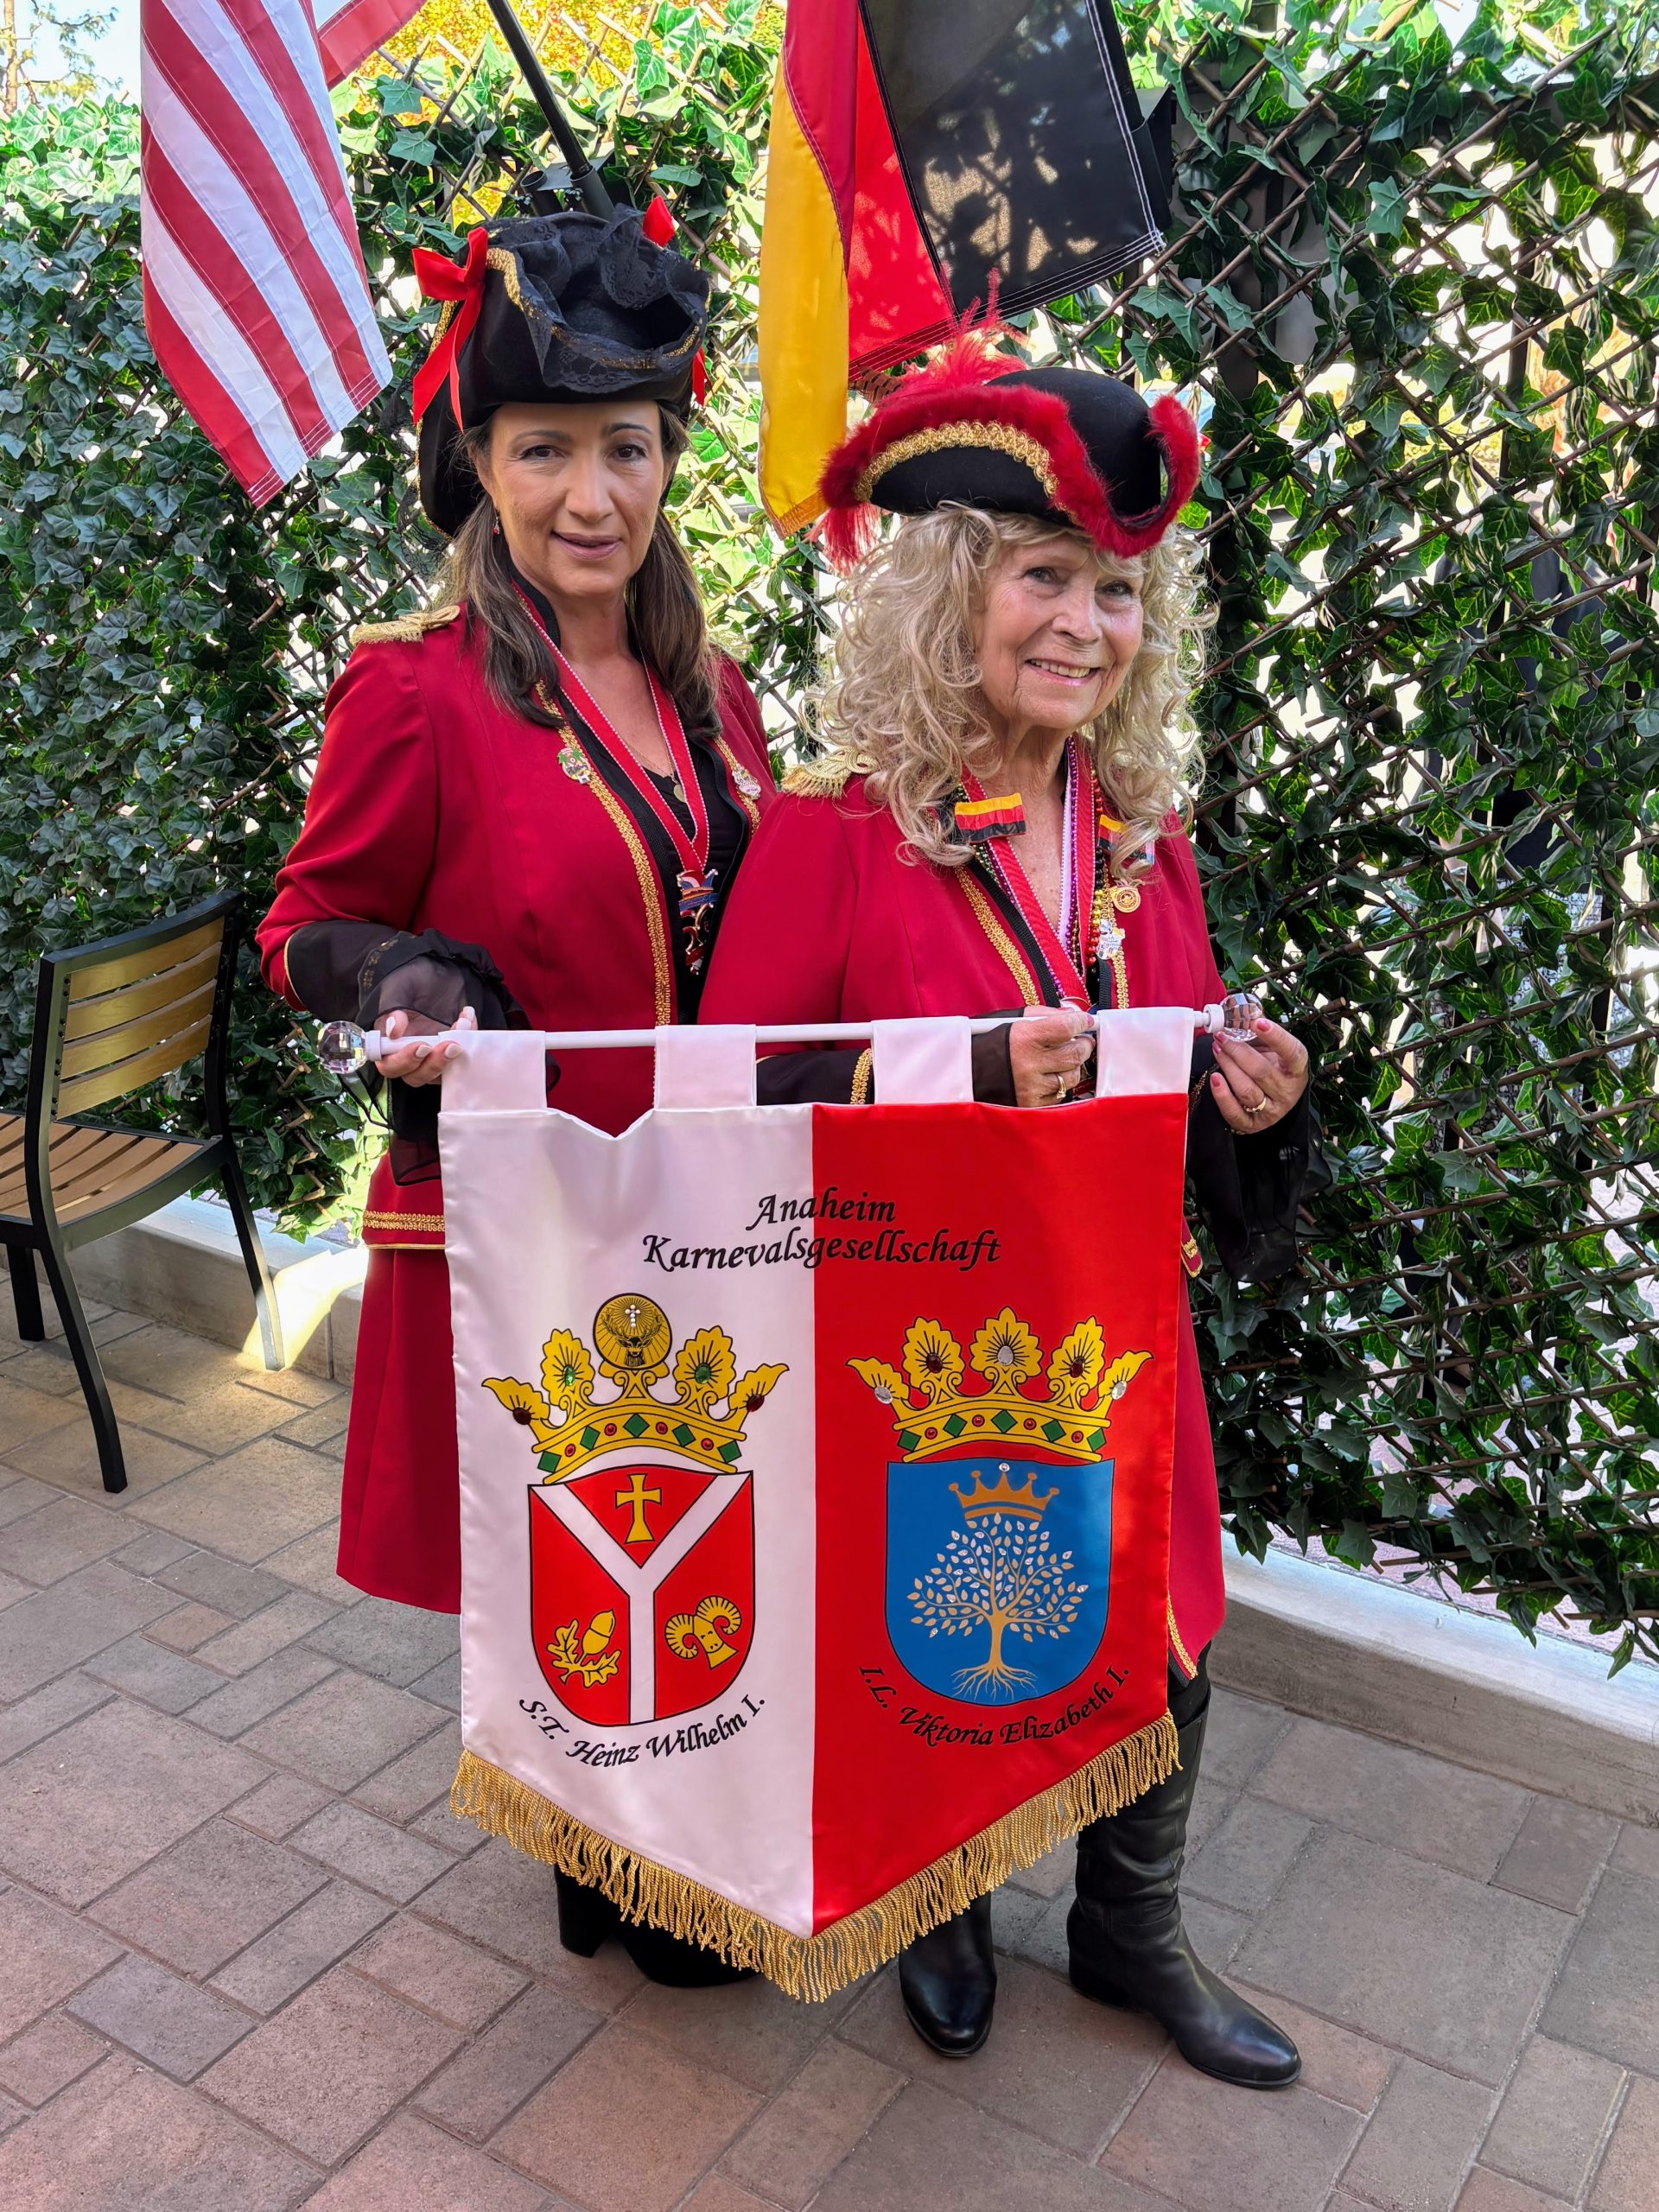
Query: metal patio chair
109	1018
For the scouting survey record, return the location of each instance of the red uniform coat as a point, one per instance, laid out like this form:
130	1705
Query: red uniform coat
435	808
871	936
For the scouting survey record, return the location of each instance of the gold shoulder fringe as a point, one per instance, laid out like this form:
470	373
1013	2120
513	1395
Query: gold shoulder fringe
814	1967
825	779
405	629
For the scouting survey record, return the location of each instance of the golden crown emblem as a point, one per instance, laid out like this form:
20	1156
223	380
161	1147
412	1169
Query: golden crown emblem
571	1427
933	1413
1024	1500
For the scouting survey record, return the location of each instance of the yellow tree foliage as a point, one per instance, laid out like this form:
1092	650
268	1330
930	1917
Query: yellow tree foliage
569	34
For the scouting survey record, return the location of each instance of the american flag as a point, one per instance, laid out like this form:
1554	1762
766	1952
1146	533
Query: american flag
255	299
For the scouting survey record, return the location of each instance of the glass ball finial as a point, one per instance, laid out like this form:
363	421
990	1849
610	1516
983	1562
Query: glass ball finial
343	1048
1240	1012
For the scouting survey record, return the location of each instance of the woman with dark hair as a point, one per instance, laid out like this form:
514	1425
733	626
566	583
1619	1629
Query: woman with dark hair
998	823
529	807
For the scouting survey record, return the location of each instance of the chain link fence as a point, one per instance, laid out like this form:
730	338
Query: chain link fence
1412	288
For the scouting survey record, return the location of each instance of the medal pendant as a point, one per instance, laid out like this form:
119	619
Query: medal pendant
575	763
748	784
1125	898
697	895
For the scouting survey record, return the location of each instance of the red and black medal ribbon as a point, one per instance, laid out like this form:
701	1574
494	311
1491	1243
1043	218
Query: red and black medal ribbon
696	886
1065	962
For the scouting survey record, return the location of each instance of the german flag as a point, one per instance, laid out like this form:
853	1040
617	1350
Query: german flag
978	819
921	149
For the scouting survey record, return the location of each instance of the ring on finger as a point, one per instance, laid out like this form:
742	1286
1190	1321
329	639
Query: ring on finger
1260	1107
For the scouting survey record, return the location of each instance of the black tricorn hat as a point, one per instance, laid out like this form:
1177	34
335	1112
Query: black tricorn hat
568	308
1073	446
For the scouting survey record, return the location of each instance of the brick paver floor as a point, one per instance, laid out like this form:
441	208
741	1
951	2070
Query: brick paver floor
248	1959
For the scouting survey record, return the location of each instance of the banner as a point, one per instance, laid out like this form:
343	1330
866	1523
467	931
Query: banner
815	1480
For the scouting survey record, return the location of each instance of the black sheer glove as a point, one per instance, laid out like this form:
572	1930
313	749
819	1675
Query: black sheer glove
1250	1189
361	971
823	1074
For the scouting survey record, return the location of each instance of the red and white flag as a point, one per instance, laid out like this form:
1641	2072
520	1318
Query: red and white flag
814	1479
255	299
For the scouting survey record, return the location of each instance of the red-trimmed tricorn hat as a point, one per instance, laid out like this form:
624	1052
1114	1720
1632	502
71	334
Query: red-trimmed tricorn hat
1073	446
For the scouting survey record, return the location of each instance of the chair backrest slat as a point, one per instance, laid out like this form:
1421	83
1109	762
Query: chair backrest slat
108	1048
83	1092
98	977
112	1016
105	1009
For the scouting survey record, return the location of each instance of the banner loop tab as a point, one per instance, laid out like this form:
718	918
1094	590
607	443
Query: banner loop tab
928	1061
710	1066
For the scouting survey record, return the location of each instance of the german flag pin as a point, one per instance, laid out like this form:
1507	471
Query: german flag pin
979	820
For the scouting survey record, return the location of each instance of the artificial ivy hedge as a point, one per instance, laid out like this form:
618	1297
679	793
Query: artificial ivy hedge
1416	288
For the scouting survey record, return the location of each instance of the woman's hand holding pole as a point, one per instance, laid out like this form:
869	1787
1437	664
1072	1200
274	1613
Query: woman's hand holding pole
1257	1084
1048	1049
418	1062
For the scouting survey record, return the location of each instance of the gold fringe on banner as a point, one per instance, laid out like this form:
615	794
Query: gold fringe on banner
814	1967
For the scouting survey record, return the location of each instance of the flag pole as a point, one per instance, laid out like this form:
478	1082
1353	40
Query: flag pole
584	177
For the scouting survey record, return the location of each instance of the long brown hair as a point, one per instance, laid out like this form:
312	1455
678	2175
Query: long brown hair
665	609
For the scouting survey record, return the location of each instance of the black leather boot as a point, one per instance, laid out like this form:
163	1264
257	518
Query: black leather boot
1129	1949
948	1981
586	1917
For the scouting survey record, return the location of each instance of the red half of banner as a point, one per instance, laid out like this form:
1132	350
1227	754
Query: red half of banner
996	1398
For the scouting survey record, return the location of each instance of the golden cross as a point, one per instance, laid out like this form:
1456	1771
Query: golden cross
639	1497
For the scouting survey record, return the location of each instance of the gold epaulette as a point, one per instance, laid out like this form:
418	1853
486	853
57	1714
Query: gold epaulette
405	628
826	777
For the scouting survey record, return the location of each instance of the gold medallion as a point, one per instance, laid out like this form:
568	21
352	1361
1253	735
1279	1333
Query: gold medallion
631	1334
575	763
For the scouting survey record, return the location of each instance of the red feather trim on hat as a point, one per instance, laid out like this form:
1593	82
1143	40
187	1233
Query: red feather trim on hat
1177	434
934	394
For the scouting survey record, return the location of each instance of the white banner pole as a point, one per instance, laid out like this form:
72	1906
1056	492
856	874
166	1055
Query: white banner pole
369	1044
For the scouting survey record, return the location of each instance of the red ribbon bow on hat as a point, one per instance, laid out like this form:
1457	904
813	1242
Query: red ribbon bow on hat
659	226
462	282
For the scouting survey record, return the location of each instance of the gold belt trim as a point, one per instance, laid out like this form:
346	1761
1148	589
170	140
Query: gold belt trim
430	1225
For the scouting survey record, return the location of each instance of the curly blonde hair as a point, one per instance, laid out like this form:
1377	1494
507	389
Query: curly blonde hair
904	706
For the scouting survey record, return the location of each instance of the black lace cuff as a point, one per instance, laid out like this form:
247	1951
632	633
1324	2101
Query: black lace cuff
1250	1189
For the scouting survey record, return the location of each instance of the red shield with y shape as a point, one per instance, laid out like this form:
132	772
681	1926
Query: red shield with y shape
641	1588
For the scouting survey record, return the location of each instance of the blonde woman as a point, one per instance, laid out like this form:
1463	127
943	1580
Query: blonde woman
997	823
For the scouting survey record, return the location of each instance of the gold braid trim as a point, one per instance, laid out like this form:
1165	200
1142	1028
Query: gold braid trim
999	437
814	1967
403	629
987	917
863	1068
662	967
826	777
1184	1659
429	1224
